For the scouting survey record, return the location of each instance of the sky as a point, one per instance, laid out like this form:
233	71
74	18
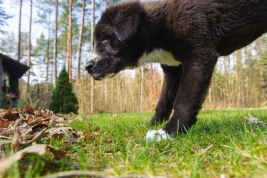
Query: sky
12	8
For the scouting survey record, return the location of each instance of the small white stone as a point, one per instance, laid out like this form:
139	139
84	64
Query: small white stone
222	176
157	135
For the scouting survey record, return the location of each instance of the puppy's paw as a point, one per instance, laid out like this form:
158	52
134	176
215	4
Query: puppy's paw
157	135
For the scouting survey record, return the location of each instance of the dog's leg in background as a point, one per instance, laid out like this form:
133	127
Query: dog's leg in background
195	81
172	77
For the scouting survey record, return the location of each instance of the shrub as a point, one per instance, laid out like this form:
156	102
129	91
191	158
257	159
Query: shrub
3	100
63	99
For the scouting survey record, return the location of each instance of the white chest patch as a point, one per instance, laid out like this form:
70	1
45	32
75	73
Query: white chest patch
160	56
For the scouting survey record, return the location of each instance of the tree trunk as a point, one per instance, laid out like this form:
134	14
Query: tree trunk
19	32
259	42
55	44
70	42
250	70
29	47
213	91
240	78
229	83
92	30
118	93
105	93
80	39
141	88
47	54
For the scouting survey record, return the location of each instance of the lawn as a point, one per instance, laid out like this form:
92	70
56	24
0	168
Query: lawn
221	144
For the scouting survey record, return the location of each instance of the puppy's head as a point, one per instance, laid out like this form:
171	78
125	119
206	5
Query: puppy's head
116	44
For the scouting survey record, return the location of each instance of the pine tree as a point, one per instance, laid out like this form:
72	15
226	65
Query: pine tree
63	99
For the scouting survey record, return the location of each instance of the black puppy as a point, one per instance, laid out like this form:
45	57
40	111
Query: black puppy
185	36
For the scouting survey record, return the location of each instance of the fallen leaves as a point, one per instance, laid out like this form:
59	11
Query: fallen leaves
39	149
26	126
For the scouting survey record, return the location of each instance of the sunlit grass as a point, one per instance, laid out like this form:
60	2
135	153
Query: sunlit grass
220	144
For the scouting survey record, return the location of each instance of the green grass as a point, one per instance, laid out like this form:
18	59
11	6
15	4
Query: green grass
221	143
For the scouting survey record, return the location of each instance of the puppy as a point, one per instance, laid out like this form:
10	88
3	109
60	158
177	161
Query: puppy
185	36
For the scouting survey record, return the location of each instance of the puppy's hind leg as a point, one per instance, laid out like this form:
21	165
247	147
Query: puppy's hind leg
172	77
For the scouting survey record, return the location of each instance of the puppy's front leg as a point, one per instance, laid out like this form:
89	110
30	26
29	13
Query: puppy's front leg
195	81
172	77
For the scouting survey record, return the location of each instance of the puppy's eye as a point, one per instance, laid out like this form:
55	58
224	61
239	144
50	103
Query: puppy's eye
103	38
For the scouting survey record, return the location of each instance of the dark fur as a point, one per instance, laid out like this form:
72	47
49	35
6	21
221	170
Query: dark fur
196	32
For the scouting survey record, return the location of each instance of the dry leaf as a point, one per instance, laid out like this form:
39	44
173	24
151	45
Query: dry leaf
21	117
254	120
72	115
89	135
39	149
53	121
79	118
7	115
9	130
4	123
60	121
46	117
61	125
17	140
58	153
11	114
38	136
29	109
62	132
38	120
37	113
29	118
35	128
97	131
80	134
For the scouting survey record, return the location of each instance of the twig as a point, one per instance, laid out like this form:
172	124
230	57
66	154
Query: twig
77	173
4	137
37	136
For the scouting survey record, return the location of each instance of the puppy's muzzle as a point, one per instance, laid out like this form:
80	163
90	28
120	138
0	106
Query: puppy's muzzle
91	62
89	65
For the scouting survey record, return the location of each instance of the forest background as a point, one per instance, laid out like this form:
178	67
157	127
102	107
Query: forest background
49	34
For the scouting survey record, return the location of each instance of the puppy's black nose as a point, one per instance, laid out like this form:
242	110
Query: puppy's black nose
89	65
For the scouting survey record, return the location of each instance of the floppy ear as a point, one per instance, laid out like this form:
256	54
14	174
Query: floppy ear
126	20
